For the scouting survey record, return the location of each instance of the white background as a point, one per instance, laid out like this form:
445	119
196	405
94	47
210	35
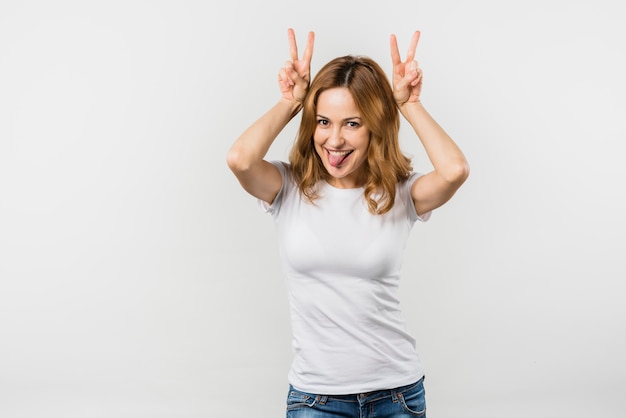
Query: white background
137	279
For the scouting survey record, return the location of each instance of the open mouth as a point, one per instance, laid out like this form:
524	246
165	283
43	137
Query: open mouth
336	158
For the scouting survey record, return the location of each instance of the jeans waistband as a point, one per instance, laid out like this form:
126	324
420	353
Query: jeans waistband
367	396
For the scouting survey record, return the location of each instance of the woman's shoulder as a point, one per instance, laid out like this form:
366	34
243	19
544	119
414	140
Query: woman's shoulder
284	167
408	180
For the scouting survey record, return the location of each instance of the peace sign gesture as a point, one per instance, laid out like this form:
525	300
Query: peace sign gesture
294	77
407	76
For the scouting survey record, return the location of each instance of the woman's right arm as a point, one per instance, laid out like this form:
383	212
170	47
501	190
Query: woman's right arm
246	156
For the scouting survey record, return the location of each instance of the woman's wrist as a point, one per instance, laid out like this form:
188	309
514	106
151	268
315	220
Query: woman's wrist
408	108
293	106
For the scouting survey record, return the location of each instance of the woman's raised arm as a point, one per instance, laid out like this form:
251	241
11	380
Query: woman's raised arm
246	156
450	166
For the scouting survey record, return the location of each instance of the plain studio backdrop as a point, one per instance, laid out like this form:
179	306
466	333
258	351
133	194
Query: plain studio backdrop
137	279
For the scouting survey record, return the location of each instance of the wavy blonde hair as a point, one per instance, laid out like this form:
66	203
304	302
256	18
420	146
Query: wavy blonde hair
386	165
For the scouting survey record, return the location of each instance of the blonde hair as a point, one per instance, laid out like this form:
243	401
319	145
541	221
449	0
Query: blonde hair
386	165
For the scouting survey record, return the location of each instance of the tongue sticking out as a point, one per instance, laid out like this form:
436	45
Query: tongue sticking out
336	160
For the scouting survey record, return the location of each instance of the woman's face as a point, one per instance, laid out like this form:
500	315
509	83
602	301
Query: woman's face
341	139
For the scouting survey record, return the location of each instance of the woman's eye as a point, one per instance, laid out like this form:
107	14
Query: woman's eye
353	124
322	122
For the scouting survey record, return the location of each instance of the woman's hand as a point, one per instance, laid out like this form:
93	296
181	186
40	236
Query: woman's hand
294	77
407	76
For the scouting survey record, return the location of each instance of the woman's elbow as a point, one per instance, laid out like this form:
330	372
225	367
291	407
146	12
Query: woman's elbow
458	173
464	171
236	160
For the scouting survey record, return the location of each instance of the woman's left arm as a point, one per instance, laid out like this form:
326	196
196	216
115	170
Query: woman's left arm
450	168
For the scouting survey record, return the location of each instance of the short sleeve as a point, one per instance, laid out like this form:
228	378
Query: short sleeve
275	206
413	216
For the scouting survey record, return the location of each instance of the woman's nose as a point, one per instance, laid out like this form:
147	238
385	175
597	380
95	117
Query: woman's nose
335	140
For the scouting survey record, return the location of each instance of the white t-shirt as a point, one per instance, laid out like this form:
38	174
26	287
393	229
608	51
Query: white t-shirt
342	268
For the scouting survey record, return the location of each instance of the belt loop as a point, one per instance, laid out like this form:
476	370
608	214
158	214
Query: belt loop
394	396
322	399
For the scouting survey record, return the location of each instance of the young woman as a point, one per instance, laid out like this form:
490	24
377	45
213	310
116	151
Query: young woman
344	206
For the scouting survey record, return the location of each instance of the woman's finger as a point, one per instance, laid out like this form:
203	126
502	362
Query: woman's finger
413	47
293	47
395	54
308	51
417	79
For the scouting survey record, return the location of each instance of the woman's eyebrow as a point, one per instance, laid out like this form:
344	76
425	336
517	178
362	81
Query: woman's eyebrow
348	118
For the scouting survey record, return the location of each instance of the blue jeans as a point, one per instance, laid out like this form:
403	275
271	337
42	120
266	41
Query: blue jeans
403	402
